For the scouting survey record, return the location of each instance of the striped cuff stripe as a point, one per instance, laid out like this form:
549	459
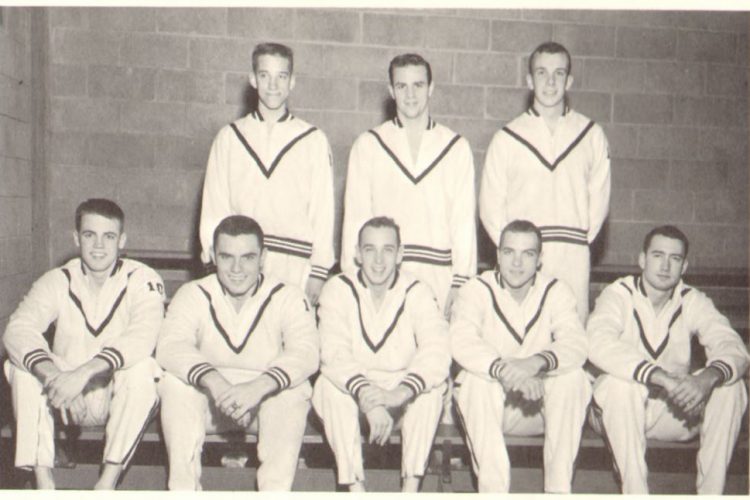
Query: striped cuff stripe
415	382
31	359
459	280
112	357
495	369
550	358
280	376
409	384
643	372
197	372
356	383
117	355
319	272
724	368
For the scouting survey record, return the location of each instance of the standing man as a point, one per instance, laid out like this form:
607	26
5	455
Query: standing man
516	334
99	370
550	165
385	355
238	347
421	174
276	168
640	335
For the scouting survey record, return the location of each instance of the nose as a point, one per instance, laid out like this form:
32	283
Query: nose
236	266
551	79
273	83
99	242
516	260
665	264
378	257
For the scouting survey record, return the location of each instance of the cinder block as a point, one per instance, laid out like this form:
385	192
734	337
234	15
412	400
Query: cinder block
711	111
67	17
205	120
85	47
647	18
675	78
333	25
620	205
16	22
343	127
161	51
596	105
120	151
642	108
736	246
122	19
325	93
477	131
458	100
175	152
166	188
73	184
66	80
191	86
260	23
742	51
490	13
12	290
374	96
457	33
89	115
613	75
16	216
15	99
687	175
342	60
517	36
223	54
586	40
504	104
66	147
154	117
646	43
16	256
626	238
395	30
663	142
119	82
238	90
727	80
723	144
706	46
713	20
16	176
578	16
202	21
721	207
662	206
639	174
157	219
706	241
483	68
622	139
15	138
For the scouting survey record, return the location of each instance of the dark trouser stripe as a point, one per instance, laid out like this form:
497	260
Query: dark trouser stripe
150	417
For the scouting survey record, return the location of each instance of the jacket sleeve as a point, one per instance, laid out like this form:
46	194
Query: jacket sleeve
493	191
431	363
599	183
605	327
145	314
321	209
24	335
337	359
569	346
468	346
357	200
463	216
724	348
216	195
300	356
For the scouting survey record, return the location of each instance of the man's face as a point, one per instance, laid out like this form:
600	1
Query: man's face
379	254
549	79
239	260
273	80
518	258
100	240
411	91
664	262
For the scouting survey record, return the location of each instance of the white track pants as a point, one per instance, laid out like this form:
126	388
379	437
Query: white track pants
630	416
571	264
341	416
438	278
287	268
126	405
187	414
486	414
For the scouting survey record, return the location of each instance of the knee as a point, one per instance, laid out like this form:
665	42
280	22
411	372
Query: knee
730	396
618	396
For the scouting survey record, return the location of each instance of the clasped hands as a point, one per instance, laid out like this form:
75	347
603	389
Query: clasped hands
374	402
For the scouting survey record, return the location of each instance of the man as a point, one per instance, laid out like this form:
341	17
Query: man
516	334
550	165
107	312
421	174
276	168
238	347
385	355
639	334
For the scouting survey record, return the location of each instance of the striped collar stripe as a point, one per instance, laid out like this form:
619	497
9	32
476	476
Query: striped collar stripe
197	372
654	353
95	331
33	358
267	171
430	122
404	170
551	166
258	116
531	323
280	376
500	314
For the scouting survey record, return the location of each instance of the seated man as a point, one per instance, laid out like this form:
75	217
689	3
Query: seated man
238	348
99	370
517	336
385	354
639	336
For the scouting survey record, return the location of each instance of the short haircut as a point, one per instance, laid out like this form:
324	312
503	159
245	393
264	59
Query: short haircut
100	206
236	225
378	222
550	48
273	49
667	231
521	226
409	60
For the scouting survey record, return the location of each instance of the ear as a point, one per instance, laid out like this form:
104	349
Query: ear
539	260
569	82
262	257
430	88
400	255
76	239
642	260
357	255
253	80
292	82
212	253
684	267
529	81
123	239
391	91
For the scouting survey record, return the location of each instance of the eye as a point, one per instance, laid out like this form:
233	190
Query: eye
560	73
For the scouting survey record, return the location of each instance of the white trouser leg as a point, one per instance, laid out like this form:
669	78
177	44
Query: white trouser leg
566	397
282	419
340	415
418	427
438	278
287	268
571	264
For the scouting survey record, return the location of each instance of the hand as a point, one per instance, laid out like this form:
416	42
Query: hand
216	385
692	390
312	289
241	398
664	379
452	294
67	386
532	389
513	372
76	409
381	425
370	396
397	397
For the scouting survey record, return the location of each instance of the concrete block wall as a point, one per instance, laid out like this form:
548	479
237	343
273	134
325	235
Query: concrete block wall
137	94
15	160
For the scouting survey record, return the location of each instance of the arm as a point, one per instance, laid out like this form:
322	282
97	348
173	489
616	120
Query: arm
463	217
599	183
216	194
493	189
321	215
357	200
569	345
